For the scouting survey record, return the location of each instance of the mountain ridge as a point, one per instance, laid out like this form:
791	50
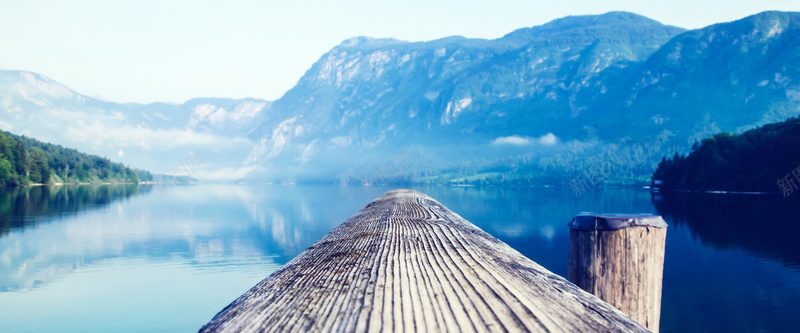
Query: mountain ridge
537	105
149	136
430	77
598	84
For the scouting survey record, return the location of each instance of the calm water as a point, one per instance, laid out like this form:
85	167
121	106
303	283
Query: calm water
142	258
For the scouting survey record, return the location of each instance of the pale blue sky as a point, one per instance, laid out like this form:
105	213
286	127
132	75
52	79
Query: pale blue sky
145	51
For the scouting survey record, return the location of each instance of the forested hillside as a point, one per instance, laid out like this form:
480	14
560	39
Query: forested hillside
763	159
28	161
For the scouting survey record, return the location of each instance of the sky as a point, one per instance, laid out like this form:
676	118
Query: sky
171	51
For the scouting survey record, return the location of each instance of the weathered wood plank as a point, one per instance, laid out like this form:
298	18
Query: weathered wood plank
407	263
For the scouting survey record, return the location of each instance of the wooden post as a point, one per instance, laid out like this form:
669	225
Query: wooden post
407	263
620	259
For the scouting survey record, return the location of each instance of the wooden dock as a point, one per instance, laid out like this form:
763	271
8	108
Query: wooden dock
407	263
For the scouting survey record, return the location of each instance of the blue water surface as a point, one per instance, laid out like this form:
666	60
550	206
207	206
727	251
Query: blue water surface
126	258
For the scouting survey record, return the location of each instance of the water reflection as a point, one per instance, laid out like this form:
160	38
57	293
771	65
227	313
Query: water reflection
26	206
233	227
168	258
766	226
731	263
534	220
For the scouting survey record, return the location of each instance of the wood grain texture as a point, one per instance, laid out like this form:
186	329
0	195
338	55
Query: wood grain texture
622	267
407	263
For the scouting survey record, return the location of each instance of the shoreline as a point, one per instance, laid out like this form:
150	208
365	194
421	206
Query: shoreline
63	184
659	190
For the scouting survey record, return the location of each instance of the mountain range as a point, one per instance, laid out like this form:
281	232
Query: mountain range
155	136
538	105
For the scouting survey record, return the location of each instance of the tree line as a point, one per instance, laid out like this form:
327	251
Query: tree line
756	160
28	161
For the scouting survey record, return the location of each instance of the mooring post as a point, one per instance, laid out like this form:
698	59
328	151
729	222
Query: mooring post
620	259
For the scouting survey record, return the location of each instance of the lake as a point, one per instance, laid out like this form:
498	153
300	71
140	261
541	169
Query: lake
127	258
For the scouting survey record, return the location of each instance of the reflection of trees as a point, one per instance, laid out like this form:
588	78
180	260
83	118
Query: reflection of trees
534	220
25	206
767	225
45	250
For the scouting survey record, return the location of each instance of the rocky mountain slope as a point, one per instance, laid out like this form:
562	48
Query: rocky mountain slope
150	136
540	104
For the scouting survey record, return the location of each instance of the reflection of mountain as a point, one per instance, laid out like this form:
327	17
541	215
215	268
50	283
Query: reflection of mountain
22	207
250	229
534	221
766	225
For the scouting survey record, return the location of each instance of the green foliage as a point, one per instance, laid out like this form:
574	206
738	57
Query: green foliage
6	172
26	161
752	161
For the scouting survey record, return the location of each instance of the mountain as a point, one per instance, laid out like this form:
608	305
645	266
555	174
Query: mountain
153	136
448	100
539	105
725	77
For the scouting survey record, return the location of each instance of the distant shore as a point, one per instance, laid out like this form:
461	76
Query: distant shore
714	191
101	183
